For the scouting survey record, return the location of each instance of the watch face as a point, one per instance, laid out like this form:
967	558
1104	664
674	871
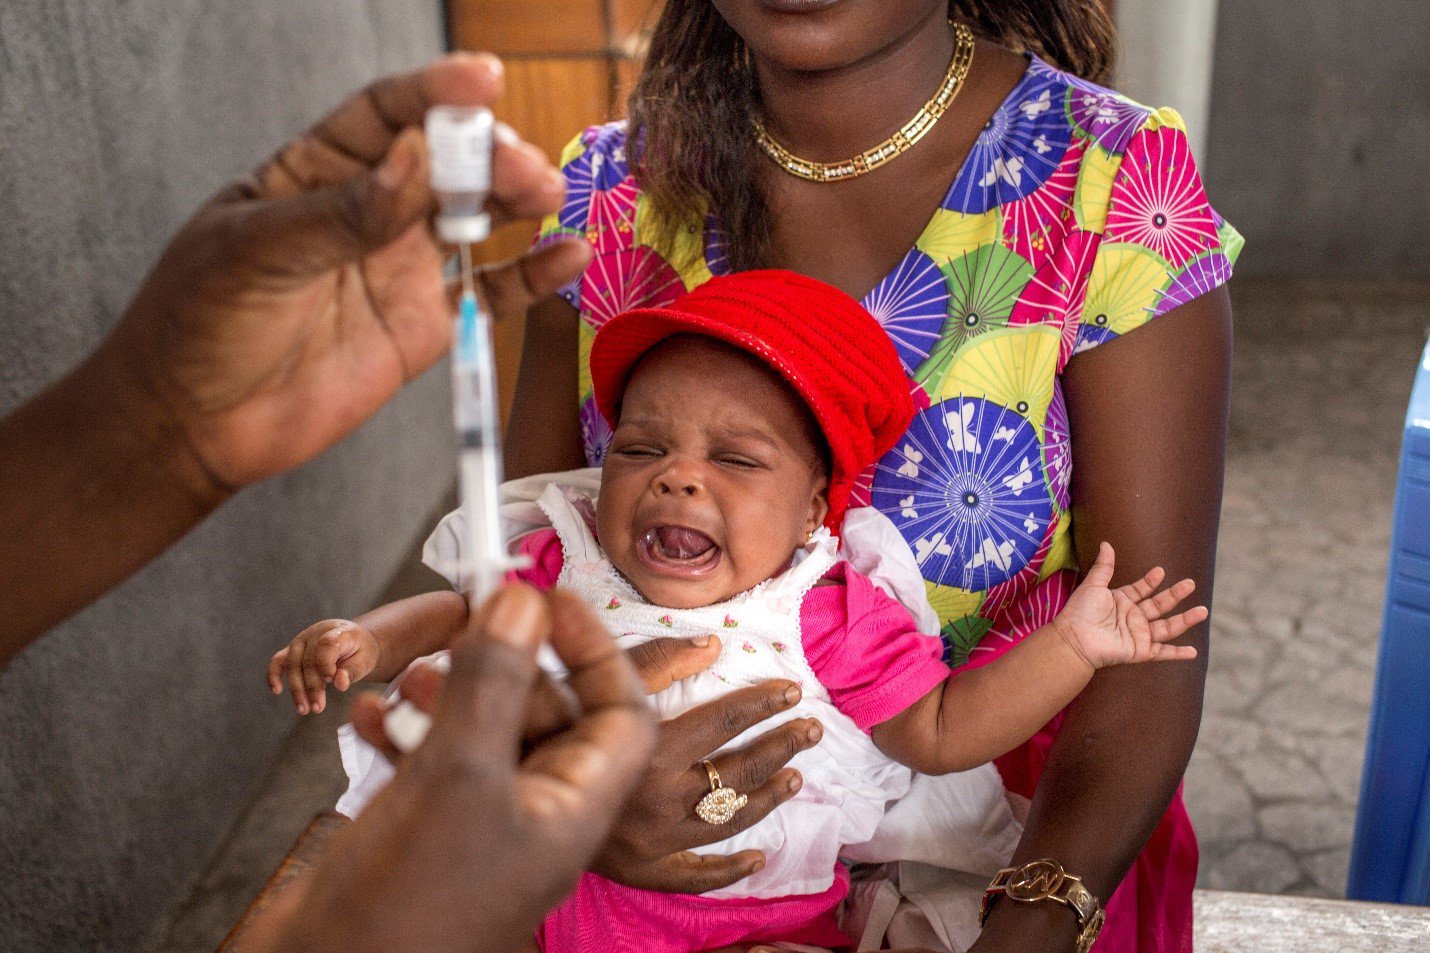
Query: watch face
1036	881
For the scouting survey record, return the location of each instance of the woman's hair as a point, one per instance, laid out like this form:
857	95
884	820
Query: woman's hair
690	110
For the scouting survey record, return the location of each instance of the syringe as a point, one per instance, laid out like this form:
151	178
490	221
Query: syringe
484	559
460	142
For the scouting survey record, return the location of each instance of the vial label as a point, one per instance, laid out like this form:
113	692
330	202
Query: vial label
460	141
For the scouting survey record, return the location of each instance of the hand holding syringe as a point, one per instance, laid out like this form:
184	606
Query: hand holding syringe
460	141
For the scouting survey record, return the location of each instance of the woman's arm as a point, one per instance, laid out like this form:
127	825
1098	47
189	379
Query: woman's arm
544	435
1148	414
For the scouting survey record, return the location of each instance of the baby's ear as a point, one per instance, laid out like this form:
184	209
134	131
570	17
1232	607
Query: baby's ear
818	505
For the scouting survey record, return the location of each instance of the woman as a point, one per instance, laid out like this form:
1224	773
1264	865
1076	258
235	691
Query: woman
1013	253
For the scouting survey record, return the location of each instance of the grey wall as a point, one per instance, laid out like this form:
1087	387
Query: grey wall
1319	147
131	736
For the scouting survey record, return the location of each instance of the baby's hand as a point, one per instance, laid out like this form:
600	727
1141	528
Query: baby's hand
1112	626
334	650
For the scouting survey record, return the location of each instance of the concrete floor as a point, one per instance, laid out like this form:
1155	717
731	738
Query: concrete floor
1323	374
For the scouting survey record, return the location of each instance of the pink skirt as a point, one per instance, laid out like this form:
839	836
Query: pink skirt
602	916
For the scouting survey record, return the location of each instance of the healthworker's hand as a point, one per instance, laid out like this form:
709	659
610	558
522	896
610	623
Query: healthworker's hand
473	841
333	652
1130	624
650	846
297	301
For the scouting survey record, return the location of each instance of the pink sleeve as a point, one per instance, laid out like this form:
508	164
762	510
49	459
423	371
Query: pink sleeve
866	650
543	548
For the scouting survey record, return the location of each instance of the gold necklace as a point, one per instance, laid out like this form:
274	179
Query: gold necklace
897	144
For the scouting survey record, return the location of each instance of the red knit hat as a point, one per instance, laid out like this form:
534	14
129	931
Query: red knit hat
830	350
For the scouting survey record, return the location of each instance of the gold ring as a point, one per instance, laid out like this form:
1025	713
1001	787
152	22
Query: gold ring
722	803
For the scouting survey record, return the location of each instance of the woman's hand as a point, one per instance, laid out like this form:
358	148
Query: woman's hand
282	316
471	844
650	845
296	302
334	651
1108	626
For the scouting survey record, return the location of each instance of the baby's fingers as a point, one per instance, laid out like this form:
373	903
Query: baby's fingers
1144	587
1165	630
296	688
1171	653
326	651
1167	600
276	665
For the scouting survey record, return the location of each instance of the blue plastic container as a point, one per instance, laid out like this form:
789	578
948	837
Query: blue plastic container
1390	860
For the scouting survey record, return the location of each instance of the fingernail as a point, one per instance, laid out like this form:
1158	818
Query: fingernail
701	641
397	167
757	865
792	694
794	783
814	732
506	135
496	66
512	616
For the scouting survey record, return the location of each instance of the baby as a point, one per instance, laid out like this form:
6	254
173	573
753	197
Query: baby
742	415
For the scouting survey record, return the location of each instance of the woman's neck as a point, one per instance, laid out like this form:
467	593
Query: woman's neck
830	115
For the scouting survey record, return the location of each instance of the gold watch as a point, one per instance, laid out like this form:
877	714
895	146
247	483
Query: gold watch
1046	880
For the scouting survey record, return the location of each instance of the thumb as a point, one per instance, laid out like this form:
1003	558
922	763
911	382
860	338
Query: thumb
662	662
1100	574
304	235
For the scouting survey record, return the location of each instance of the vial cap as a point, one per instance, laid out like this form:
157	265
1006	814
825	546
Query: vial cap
464	229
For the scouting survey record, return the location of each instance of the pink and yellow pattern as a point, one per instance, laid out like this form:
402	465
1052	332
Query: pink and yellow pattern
1078	216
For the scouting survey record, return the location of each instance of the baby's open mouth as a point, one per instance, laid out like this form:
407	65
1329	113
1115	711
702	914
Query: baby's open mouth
678	551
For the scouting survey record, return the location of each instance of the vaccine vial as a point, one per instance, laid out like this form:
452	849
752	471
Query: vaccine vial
459	139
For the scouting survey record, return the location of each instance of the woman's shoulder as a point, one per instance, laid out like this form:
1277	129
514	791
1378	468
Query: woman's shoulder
607	139
1050	128
1095	114
593	164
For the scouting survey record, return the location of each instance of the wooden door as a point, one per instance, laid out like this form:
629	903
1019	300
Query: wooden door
568	66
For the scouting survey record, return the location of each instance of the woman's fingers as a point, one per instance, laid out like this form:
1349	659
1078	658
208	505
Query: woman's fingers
600	675
781	786
599	758
367	714
512	287
709	727
688	872
525	185
493	662
364	126
753	765
661	663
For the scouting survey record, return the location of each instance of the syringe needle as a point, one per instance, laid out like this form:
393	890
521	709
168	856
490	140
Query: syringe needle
464	256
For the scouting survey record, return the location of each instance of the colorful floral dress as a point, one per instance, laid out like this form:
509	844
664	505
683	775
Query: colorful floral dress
1078	216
